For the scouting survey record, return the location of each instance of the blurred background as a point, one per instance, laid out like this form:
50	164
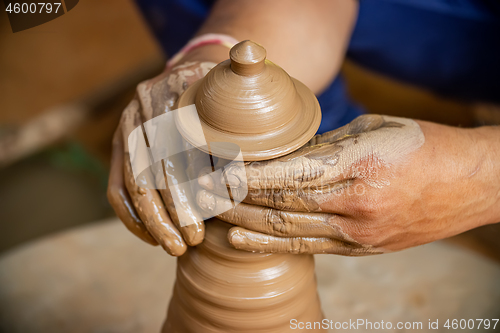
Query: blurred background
63	86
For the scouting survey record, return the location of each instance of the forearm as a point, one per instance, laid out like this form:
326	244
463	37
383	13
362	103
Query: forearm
307	38
461	168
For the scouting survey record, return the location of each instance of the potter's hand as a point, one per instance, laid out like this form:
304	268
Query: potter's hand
376	185
150	214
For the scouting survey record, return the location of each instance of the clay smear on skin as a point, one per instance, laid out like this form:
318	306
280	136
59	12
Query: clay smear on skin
248	240
177	81
383	147
317	169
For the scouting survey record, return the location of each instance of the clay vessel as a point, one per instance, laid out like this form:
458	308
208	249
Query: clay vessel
251	102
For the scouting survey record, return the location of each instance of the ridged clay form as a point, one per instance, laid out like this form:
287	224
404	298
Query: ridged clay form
221	289
251	102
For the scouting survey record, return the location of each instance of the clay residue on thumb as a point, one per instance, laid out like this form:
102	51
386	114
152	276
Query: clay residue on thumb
236	237
206	201
206	182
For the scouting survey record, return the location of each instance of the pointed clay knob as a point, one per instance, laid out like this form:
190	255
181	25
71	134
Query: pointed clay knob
251	102
247	58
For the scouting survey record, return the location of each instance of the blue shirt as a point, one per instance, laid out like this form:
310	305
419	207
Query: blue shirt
451	47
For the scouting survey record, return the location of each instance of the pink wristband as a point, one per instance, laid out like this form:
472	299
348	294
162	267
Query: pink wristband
207	39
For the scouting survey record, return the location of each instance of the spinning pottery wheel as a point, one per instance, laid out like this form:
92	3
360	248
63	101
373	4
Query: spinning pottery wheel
253	103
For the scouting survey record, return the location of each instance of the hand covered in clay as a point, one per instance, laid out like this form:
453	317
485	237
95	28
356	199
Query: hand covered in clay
149	213
376	185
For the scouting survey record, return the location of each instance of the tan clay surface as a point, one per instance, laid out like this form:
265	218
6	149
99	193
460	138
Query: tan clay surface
221	289
251	102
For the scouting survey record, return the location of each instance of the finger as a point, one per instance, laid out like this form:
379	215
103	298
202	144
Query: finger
206	181
152	212
180	203
331	198
253	241
147	202
210	181
309	168
195	160
173	183
118	195
272	221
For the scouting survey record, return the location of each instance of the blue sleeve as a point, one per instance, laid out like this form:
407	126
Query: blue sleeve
451	48
174	22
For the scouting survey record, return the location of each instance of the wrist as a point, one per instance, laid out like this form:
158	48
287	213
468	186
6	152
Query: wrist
488	138
463	166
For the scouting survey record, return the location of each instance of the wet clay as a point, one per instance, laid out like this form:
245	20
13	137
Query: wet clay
221	289
251	102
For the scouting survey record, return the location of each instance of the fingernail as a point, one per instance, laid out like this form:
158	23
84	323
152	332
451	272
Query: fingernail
205	200
206	182
240	241
193	233
173	247
236	237
232	180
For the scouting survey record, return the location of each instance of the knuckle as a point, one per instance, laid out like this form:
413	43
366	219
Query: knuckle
368	207
307	172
